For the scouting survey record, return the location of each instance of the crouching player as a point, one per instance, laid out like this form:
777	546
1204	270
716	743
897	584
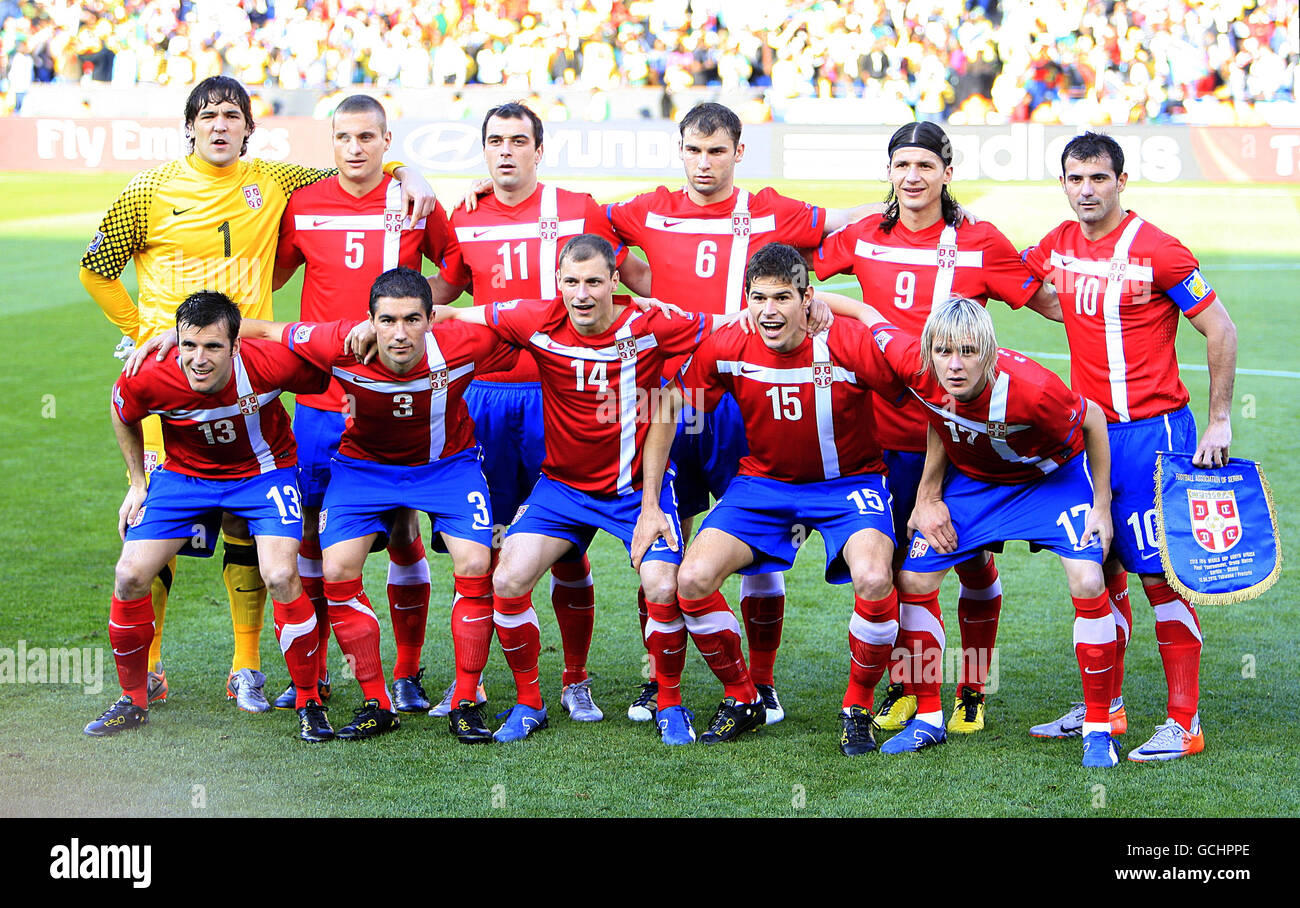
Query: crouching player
229	448
607	442
410	444
813	464
1005	459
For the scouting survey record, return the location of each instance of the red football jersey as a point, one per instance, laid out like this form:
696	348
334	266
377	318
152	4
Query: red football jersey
698	253
904	273
346	243
808	413
512	251
410	419
1121	324
1022	426
597	392
241	430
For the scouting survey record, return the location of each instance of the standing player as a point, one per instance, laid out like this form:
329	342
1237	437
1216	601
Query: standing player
507	247
230	451
601	362
348	229
410	444
907	260
697	241
813	463
208	220
1003	461
1122	283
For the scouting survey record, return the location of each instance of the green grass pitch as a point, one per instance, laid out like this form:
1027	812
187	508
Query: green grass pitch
201	757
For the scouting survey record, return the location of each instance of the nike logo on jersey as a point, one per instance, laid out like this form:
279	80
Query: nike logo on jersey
479	233
671	223
180	211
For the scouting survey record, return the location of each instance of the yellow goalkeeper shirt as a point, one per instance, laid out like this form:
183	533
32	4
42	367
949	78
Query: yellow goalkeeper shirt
192	226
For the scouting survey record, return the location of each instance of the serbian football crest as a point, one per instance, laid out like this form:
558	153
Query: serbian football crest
253	196
248	404
1217	529
438	380
549	229
1216	522
626	347
947	256
822	375
740	225
997	430
393	220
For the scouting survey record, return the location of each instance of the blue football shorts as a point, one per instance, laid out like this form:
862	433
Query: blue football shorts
363	495
774	518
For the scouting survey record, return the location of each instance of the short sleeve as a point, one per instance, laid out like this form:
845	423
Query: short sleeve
438	237
1006	276
321	344
1178	274
596	221
835	254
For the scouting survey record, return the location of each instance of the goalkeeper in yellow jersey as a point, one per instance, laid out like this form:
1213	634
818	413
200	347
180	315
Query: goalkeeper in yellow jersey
208	221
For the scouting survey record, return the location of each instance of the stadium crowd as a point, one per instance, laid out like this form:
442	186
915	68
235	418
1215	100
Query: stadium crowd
968	62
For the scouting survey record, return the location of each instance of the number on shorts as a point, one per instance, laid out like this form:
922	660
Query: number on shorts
1064	521
1143	526
867	500
482	518
286	504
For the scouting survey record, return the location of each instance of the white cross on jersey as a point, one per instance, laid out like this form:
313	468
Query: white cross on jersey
390	222
1117	270
946	258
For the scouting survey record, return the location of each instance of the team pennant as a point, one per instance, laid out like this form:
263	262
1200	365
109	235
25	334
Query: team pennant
1217	529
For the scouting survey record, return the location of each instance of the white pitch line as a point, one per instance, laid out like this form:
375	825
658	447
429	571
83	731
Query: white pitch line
1192	367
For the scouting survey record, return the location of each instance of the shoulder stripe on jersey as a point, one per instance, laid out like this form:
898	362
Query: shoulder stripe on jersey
496	233
946	256
705	226
738	257
627	409
394	212
822	403
926	258
772	376
1116	362
548	228
437	396
253	421
998	414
